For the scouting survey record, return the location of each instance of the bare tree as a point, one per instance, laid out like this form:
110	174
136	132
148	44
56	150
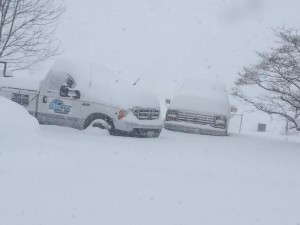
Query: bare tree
27	29
273	84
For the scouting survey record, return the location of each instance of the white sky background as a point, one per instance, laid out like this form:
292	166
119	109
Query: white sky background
170	38
163	41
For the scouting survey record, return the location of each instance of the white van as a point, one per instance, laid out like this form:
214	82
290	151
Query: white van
200	106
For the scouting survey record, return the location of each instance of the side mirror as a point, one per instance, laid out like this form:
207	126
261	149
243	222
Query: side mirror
233	109
65	91
74	93
168	101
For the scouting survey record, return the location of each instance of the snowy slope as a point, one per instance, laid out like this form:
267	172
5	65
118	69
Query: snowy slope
64	176
59	176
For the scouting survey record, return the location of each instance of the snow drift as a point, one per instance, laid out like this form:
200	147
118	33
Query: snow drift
15	121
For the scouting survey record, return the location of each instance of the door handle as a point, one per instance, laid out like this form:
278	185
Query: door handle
44	99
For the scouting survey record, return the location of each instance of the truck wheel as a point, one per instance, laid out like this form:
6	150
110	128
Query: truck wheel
111	128
93	117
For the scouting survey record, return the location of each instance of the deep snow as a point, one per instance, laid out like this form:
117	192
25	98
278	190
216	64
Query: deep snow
64	176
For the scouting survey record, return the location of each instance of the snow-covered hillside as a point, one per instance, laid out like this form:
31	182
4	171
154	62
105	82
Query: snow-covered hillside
53	175
64	176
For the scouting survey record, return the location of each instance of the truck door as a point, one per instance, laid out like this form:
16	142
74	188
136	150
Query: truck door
56	109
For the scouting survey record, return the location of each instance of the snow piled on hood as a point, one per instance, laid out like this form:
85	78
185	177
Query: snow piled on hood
15	121
202	95
101	85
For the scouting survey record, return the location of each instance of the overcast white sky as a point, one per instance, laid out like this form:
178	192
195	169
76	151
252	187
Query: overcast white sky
173	38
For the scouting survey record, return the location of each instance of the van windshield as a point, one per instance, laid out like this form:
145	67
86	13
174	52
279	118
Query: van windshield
209	89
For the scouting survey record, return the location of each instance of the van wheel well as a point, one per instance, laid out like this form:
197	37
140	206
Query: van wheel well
96	116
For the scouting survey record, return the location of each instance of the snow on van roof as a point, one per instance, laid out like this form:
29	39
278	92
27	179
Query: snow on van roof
203	87
202	95
97	83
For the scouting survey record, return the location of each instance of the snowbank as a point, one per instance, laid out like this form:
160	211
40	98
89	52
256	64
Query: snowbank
15	121
206	96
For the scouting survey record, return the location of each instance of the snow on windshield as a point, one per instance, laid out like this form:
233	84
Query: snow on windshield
201	95
204	88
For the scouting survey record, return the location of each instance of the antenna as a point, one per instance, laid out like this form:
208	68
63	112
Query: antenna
136	81
90	84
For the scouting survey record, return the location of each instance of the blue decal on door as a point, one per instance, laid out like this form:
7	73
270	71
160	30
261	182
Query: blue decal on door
59	107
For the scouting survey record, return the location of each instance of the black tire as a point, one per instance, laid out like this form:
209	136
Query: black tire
111	128
226	133
156	135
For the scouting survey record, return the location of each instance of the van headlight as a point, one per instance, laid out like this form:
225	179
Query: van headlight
220	121
171	115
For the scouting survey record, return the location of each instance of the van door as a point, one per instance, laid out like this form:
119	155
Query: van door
58	110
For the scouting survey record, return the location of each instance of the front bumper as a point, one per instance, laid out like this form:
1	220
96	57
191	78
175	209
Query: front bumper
143	128
195	129
138	132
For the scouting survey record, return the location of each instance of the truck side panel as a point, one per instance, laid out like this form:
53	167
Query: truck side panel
24	97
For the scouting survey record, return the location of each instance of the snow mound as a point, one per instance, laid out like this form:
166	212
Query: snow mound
15	121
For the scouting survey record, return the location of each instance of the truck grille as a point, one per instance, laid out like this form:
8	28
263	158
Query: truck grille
146	113
195	118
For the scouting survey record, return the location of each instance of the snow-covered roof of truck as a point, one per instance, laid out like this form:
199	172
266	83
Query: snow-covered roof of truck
202	95
96	83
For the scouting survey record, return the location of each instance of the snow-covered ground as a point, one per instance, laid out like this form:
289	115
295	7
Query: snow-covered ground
58	176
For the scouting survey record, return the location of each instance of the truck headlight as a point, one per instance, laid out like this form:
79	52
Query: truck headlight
171	115
122	113
220	121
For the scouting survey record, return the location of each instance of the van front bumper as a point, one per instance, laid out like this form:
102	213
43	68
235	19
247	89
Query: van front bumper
194	128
